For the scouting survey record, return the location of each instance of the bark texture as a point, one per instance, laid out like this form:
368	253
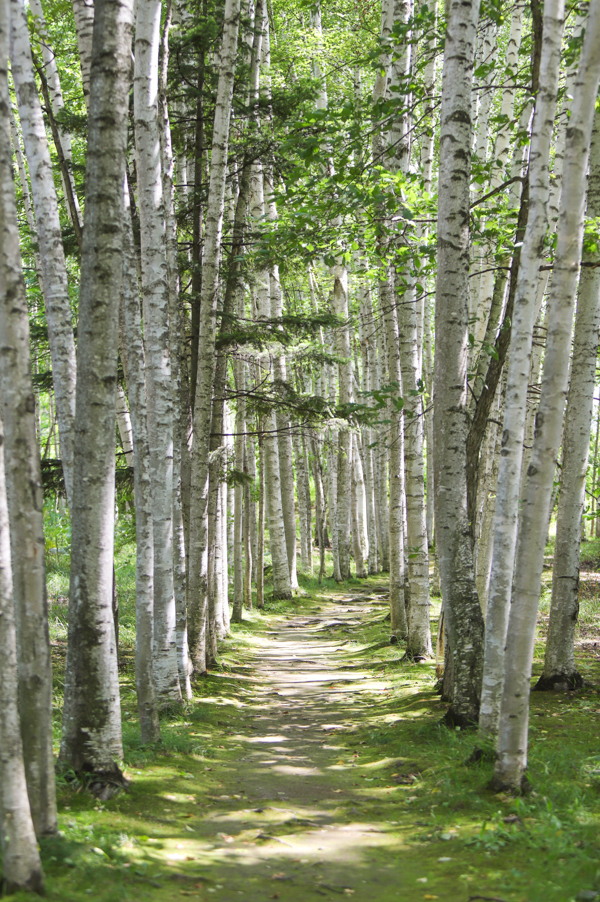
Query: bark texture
533	526
48	233
461	606
560	669
155	303
91	740
22	868
27	577
511	454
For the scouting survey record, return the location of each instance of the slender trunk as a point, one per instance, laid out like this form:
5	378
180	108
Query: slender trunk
514	718
359	525
25	502
419	633
155	305
198	553
238	511
260	544
177	348
49	237
461	606
303	502
91	738
83	12
560	669
399	624
22	868
132	345
509	468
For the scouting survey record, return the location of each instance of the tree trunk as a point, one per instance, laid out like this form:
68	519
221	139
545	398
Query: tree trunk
155	305
26	580
260	544
560	669
91	740
198	552
453	542
303	491
399	625
517	380
133	346
22	868
49	237
514	718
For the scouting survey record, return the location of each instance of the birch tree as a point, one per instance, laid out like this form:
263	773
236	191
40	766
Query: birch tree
48	230
560	669
91	739
461	605
26	578
512	738
198	554
509	467
22	868
155	301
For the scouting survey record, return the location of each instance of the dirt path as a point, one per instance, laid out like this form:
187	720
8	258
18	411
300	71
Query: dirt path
297	815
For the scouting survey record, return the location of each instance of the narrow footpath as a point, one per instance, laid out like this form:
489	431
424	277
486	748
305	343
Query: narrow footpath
295	813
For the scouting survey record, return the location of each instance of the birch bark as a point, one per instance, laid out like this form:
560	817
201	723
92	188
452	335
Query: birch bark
155	305
560	669
198	553
91	738
132	343
346	396
22	868
56	297
517	380
461	606
399	624
24	487
513	732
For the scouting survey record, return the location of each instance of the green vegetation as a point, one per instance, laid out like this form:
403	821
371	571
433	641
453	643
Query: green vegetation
184	828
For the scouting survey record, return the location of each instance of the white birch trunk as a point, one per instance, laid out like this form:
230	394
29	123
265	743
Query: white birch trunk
132	347
462	611
22	868
399	624
49	237
124	426
25	502
83	11
560	669
155	305
177	353
303	500
198	559
367	344
91	739
58	104
514	721
346	396
419	633
517	380
360	526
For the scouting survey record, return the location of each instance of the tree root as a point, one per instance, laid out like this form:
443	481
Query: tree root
498	785
453	718
559	682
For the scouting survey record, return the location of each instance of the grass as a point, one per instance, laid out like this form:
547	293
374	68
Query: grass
447	825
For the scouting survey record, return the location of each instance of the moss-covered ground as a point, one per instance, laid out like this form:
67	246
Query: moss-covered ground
312	763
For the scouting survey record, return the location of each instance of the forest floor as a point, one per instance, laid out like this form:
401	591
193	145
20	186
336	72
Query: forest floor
312	764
